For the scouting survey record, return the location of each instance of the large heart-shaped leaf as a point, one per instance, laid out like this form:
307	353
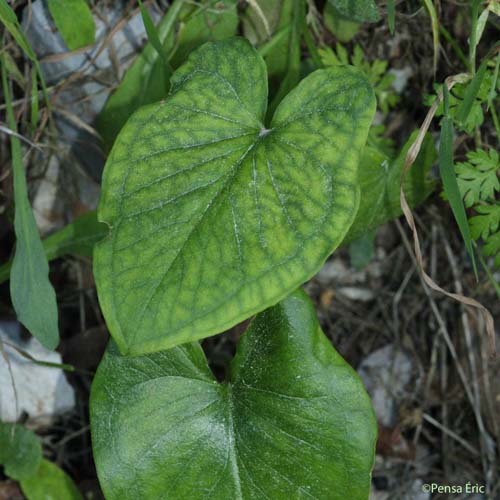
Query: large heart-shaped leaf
213	216
294	421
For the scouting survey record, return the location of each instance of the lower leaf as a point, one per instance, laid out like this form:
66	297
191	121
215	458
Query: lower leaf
293	421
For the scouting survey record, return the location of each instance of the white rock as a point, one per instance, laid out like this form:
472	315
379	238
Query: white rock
336	271
356	293
385	374
401	77
42	392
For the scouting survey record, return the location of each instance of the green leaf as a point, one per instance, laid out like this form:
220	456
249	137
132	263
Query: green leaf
213	20
486	226
214	217
146	81
491	248
34	99
13	70
486	223
291	75
362	250
431	9
391	15
450	183
9	20
152	33
375	71
278	15
494	7
50	483
74	22
380	178
475	116
477	178
20	451
33	297
471	92
294	420
77	238
343	29
262	18
357	10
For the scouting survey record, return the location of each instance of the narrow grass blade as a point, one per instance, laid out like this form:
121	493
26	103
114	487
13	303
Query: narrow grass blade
471	92
391	15
311	46
33	297
435	30
276	39
76	238
9	20
454	45
292	76
473	40
450	184
152	33
34	98
492	93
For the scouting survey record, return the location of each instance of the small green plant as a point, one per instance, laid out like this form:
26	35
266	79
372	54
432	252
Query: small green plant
376	72
467	100
479	185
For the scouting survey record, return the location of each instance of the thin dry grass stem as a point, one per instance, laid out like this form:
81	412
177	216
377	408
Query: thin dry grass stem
485	455
8	131
451	434
440	320
73	118
443	370
489	394
436	344
410	158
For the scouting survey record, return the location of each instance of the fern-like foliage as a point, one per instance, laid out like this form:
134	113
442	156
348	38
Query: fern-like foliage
376	72
477	177
478	182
